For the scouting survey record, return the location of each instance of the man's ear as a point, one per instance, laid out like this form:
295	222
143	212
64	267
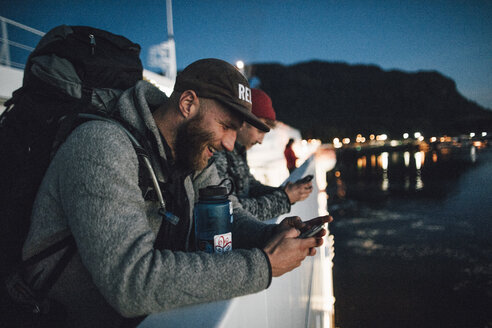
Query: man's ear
243	127
188	103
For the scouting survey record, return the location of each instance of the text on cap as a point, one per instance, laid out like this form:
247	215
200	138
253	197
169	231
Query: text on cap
244	93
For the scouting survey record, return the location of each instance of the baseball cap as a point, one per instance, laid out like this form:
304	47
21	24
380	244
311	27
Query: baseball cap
219	80
262	105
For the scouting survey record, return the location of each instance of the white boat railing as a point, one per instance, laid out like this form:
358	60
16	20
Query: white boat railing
11	69
5	53
301	298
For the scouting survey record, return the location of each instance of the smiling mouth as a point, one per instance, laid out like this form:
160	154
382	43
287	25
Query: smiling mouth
211	149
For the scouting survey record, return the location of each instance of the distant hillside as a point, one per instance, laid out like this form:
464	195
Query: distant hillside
325	100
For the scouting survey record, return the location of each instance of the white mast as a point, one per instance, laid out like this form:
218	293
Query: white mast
163	55
169	15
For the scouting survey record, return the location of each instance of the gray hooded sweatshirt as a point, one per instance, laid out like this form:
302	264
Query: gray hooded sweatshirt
91	191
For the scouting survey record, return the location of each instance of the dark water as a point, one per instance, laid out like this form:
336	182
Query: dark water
413	239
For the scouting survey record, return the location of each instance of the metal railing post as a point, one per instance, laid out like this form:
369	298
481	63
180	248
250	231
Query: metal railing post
5	58
5	51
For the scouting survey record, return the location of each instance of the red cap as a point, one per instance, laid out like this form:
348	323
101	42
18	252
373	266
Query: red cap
262	105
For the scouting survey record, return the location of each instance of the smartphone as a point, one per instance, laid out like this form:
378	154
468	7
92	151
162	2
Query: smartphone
311	231
307	178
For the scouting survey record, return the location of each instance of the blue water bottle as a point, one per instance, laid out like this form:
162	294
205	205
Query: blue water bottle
213	219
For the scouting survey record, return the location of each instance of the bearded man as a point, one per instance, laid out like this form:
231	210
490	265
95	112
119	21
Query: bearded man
131	260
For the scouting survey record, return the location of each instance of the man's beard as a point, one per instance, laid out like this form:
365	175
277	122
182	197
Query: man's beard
191	141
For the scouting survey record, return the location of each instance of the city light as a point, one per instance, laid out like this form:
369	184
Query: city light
484	134
434	157
406	158
472	134
478	144
372	137
240	64
405	135
305	148
346	141
314	142
381	137
433	139
383	160
373	160
361	162
417	135
337	143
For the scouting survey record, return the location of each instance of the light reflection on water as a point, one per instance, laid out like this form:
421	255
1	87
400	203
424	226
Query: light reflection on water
426	212
383	173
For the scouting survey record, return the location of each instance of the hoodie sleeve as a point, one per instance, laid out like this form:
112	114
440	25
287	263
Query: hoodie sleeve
262	201
101	200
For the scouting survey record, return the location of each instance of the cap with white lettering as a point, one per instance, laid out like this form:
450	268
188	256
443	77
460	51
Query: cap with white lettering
219	80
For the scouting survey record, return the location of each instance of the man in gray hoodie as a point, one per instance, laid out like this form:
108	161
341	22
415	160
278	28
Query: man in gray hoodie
131	261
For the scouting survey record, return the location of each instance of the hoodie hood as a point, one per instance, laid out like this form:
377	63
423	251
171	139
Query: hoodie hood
135	107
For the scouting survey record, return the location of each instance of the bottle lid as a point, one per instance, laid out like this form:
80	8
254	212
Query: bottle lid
214	192
217	192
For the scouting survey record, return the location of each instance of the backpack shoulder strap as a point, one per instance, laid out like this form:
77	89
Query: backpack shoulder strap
69	241
141	152
50	250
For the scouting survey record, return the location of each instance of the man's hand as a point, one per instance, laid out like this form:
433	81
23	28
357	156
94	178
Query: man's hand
298	191
296	222
286	252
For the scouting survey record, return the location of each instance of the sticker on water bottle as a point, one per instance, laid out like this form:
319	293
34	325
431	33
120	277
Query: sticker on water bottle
223	243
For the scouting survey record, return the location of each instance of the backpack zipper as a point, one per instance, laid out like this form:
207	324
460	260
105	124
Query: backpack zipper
92	40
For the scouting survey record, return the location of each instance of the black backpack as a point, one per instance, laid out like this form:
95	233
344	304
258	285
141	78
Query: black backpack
73	69
75	73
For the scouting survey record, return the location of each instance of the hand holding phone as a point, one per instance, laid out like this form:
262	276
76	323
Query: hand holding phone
311	231
306	179
308	228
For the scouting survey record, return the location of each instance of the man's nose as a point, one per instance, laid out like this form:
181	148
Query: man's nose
260	138
229	139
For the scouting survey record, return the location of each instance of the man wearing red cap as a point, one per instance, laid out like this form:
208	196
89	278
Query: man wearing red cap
264	202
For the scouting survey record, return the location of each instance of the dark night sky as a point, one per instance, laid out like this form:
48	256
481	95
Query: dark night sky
452	37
